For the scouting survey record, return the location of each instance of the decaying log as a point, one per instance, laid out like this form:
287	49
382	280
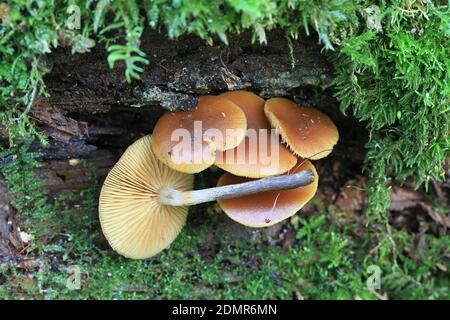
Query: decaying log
180	70
74	173
92	113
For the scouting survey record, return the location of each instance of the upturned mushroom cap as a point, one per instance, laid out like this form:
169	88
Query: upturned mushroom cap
253	157
196	152
132	220
267	208
307	131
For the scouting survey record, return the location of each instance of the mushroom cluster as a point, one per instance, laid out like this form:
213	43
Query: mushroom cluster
265	147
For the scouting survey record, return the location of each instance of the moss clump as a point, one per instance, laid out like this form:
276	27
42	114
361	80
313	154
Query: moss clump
395	76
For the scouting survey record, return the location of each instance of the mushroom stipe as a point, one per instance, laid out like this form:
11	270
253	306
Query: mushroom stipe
143	202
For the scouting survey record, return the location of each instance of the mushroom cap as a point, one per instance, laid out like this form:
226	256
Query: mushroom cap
252	105
253	157
308	132
196	151
265	209
132	220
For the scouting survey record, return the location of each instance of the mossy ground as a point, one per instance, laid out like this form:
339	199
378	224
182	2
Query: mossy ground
325	254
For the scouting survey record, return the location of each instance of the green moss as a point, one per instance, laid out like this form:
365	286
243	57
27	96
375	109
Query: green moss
396	79
329	258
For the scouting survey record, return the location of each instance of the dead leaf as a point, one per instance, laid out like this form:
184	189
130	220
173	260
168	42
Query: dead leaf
441	267
402	198
30	264
441	220
4	12
351	198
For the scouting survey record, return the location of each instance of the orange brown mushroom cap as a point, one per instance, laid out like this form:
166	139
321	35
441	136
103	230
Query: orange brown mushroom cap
254	157
307	131
252	105
196	152
267	208
143	203
132	219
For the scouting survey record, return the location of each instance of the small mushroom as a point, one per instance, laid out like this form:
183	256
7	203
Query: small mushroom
253	157
133	221
143	203
308	132
212	117
265	209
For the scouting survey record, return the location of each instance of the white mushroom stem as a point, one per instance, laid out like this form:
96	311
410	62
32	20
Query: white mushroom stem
172	197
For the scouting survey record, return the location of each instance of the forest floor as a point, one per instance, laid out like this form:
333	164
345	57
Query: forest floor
329	250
